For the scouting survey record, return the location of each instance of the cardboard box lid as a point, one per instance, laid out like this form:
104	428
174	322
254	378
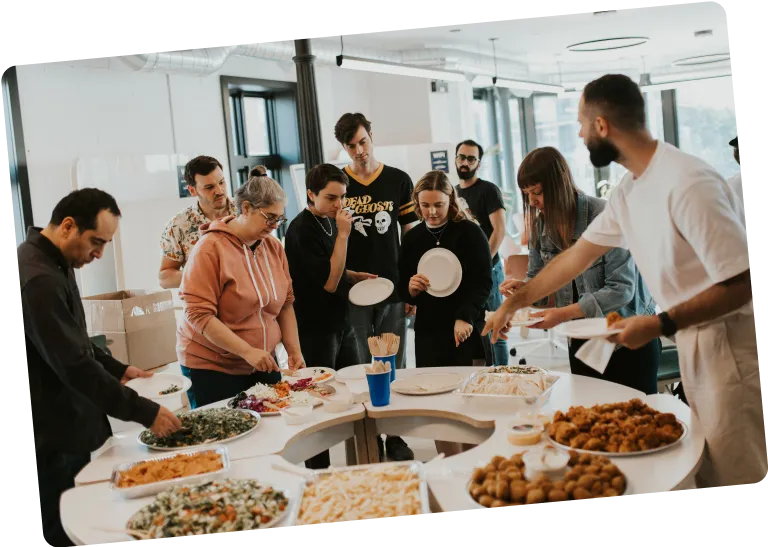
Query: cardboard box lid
126	310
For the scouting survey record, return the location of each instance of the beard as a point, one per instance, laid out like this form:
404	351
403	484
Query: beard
466	174
602	152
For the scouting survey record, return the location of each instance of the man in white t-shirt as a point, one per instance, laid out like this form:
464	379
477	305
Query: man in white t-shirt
681	222
735	181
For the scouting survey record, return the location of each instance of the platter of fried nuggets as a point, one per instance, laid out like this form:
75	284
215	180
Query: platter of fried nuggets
621	429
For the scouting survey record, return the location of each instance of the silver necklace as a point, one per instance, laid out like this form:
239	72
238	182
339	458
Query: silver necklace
437	235
329	234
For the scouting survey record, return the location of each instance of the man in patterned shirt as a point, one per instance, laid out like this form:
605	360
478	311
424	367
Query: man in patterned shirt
205	179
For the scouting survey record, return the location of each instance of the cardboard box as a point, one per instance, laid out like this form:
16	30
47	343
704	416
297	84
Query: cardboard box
140	326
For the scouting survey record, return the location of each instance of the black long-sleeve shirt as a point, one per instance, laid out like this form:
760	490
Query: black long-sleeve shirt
73	384
467	241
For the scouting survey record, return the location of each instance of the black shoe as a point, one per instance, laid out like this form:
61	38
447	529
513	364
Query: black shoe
398	450
380	444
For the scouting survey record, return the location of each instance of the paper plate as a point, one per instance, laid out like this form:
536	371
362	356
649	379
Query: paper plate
427	383
150	388
371	291
585	329
443	270
347	374
312	372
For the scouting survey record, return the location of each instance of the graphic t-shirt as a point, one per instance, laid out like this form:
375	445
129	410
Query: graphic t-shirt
481	200
377	205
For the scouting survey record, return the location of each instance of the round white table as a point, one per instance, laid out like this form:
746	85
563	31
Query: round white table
444	417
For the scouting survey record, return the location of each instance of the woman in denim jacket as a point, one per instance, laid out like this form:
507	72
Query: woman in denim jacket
557	213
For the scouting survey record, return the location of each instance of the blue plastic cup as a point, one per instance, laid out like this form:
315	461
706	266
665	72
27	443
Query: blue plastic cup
378	386
391	359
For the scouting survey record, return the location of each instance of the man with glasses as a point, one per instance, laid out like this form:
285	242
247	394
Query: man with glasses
481	201
204	176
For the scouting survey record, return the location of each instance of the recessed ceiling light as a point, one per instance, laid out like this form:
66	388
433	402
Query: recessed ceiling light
703	59
702	33
605	44
455	30
607	12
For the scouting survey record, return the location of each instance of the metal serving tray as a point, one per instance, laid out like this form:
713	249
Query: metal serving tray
491	401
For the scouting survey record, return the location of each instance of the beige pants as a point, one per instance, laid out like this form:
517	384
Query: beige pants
718	365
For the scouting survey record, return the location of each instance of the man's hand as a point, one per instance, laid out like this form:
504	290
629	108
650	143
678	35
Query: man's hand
166	422
261	360
296	362
637	331
134	372
509	286
357	277
344	223
550	318
410	310
498	325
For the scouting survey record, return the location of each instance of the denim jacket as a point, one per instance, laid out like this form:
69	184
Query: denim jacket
612	283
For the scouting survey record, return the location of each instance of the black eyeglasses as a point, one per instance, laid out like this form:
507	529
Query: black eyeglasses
272	220
469	159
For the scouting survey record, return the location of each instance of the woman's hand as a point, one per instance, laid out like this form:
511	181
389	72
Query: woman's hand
461	331
508	286
296	362
418	284
261	360
357	277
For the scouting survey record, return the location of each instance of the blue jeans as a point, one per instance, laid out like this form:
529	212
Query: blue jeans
499	349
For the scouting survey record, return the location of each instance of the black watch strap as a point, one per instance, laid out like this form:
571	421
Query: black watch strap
668	326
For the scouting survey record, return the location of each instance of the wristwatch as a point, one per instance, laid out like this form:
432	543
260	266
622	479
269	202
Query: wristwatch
668	326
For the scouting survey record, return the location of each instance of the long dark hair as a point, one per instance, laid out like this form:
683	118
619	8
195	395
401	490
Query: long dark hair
547	166
438	180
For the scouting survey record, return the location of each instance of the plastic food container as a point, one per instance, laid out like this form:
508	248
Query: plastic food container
506	403
157	487
339	404
521	432
548	462
297	415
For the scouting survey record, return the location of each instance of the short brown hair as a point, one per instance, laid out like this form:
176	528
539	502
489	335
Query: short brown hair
348	125
320	175
438	180
618	99
201	165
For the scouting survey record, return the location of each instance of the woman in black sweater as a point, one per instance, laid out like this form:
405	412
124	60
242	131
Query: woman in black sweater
448	330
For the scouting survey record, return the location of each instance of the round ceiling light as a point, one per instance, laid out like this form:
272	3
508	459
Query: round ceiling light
606	44
703	59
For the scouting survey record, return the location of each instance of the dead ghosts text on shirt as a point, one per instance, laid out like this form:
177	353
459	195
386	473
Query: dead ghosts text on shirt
363	205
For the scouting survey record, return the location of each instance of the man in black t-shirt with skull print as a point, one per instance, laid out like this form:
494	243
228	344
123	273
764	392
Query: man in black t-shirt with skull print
380	199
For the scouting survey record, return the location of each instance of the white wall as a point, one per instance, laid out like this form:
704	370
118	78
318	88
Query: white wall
100	108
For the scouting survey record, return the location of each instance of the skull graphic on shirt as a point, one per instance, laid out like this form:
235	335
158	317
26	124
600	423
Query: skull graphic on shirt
383	220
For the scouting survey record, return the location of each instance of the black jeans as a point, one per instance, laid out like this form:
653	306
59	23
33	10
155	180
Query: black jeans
637	369
56	473
211	386
335	350
376	320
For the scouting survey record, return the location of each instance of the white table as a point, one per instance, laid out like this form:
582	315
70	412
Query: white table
295	443
87	511
442	417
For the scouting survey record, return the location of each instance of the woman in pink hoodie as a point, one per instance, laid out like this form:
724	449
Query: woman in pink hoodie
238	298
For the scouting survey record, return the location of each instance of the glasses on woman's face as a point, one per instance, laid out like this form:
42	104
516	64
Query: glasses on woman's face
470	160
273	220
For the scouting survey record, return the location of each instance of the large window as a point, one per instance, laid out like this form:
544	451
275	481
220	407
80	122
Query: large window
706	120
262	129
517	138
557	125
20	196
482	118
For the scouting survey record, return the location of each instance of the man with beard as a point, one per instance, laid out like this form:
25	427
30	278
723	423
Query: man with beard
205	180
682	223
481	201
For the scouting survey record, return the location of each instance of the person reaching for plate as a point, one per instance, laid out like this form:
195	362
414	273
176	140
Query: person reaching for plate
556	214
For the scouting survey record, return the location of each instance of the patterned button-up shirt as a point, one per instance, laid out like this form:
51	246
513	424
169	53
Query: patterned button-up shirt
183	231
